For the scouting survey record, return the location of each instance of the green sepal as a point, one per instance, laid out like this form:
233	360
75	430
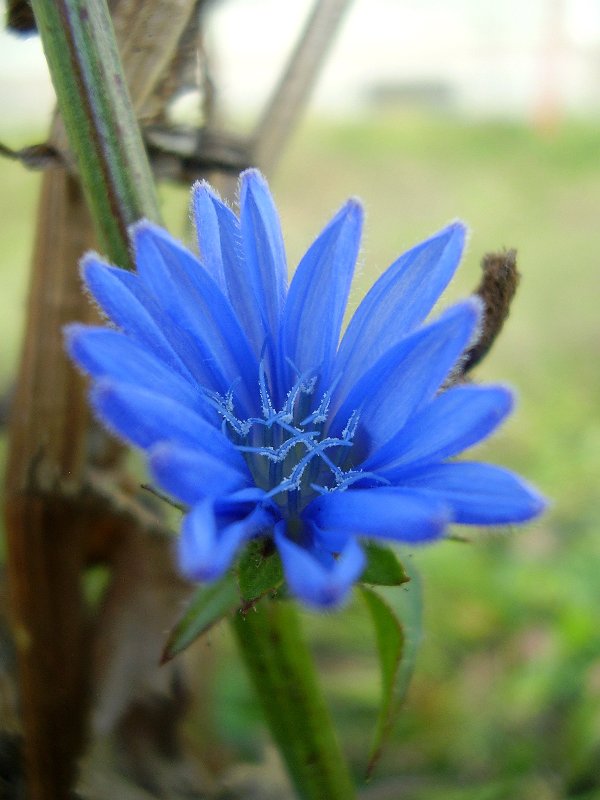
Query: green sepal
260	570
397	621
383	567
208	605
390	644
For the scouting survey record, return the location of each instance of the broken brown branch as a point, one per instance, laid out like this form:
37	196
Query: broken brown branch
181	155
497	290
37	156
19	17
297	81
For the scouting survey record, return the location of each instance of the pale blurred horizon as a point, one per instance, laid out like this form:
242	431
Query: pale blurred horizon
475	59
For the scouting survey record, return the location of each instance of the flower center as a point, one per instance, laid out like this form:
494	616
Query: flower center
289	452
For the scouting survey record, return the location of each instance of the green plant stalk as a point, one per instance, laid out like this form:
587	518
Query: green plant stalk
273	647
93	99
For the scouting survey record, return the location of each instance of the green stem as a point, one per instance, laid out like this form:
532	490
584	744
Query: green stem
81	50
282	671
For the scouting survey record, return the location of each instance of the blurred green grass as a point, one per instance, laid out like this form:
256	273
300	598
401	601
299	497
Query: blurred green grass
506	697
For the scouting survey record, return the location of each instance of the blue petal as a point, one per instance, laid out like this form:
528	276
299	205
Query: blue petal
455	420
317	584
191	298
407	376
264	250
123	299
385	512
106	353
479	494
205	549
220	244
318	295
209	233
193	475
145	418
398	302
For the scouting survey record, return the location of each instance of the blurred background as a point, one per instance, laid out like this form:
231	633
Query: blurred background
431	110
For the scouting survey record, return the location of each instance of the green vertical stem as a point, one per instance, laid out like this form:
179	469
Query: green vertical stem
282	671
93	99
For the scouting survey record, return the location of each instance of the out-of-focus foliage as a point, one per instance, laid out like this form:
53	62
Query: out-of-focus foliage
505	701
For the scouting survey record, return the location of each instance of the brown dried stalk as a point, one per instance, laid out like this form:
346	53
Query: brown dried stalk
497	289
49	524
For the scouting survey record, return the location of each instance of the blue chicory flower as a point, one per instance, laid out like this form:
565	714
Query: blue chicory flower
257	417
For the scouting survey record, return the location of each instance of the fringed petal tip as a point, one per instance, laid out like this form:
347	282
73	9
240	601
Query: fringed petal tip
204	187
92	261
71	333
472	306
74	336
94	273
140	230
457	230
253	175
354	208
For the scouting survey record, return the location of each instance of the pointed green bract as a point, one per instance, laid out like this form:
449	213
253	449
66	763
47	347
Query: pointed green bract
383	567
209	604
397	622
259	571
390	645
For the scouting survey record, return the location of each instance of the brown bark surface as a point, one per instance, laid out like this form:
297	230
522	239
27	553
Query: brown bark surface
49	518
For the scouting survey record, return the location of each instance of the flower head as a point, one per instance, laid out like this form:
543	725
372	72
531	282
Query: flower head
257	417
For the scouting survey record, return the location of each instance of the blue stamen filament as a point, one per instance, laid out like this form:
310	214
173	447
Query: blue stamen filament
292	460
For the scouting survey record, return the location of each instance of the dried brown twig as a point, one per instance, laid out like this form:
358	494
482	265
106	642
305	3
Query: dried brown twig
497	289
49	529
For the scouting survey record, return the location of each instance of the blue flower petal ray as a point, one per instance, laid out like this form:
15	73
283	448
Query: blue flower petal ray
206	549
386	512
193	300
455	420
121	296
222	250
208	232
407	376
106	353
145	418
264	254
479	494
320	585
398	302
317	297
192	475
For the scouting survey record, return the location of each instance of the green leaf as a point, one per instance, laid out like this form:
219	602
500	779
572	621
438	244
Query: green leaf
260	570
383	567
390	644
208	605
397	619
407	604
